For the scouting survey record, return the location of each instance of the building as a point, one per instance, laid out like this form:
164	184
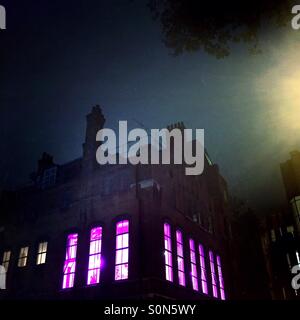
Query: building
281	249
280	234
85	231
290	171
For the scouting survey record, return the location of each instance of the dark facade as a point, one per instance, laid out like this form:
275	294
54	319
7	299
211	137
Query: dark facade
280	234
78	196
290	171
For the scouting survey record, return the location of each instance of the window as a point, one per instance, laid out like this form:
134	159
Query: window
70	261
168	252
6	259
290	229
95	256
49	178
122	250
23	257
180	258
273	235
42	253
213	274
194	274
288	261
298	258
203	270
221	280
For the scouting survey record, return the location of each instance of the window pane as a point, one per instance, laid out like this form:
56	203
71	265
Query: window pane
123	227
93	276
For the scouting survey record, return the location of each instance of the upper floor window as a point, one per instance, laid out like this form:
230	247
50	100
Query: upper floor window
122	250
290	229
42	253
168	252
22	261
49	178
213	274
95	256
70	261
221	280
194	274
6	259
203	270
273	235
180	258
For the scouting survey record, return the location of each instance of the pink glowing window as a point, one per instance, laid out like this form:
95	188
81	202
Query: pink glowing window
95	256
221	280
70	261
203	270
213	274
168	252
194	275
122	250
180	258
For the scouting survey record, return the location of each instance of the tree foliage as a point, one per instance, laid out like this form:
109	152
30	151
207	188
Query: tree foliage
190	25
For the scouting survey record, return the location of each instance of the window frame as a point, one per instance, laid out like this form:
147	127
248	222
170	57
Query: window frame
70	261
23	257
214	279
95	249
41	257
180	257
203	271
193	265
221	278
6	260
168	256
123	265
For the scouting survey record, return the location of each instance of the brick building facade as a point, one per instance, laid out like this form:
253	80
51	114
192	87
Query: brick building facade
85	231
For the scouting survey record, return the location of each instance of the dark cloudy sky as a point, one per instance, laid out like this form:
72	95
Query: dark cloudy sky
57	60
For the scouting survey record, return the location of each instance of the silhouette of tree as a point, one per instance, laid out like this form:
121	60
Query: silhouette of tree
190	25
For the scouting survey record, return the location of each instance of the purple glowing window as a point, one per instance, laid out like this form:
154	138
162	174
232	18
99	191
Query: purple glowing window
203	270
180	258
221	280
122	250
194	275
70	261
168	252
95	256
213	274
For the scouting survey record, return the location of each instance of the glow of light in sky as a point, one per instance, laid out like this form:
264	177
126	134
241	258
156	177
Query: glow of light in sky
279	87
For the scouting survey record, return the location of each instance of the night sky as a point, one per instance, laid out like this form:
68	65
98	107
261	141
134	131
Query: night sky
57	60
